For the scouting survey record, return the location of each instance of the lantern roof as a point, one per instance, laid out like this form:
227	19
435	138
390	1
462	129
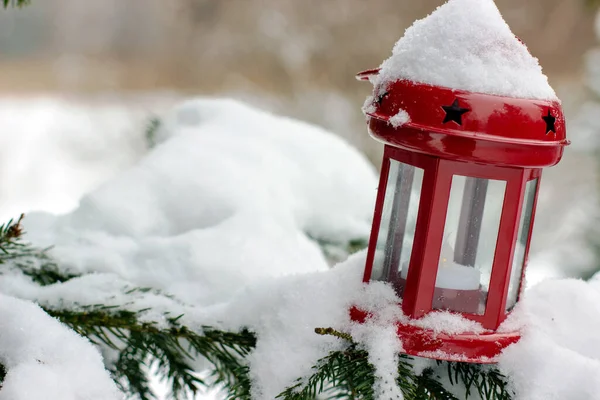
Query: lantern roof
466	45
459	84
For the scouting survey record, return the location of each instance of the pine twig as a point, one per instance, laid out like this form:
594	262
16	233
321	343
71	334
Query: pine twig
349	371
173	348
17	3
348	375
333	332
487	381
153	126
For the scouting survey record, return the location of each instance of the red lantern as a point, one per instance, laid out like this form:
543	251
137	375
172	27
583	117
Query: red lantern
455	207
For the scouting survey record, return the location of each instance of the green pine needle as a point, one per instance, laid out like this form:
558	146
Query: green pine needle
153	126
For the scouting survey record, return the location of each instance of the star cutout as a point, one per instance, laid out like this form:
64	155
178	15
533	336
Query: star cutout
550	120
381	97
454	112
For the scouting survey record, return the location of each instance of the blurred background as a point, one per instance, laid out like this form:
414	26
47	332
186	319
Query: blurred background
79	81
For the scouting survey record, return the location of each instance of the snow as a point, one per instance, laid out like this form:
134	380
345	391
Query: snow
226	186
369	106
558	320
220	214
230	197
384	348
558	356
399	119
450	323
54	150
47	360
466	45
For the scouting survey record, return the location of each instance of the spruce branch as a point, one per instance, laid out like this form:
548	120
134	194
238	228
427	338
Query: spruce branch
33	262
172	347
487	381
349	375
17	3
153	126
347	371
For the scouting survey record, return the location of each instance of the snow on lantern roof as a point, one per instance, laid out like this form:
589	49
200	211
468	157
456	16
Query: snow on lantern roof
466	45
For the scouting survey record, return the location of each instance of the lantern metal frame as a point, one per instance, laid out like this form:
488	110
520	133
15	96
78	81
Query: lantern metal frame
420	283
502	139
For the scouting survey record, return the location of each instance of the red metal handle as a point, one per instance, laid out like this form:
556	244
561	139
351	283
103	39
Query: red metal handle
365	75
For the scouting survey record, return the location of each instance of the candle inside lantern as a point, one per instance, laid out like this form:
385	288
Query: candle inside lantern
452	275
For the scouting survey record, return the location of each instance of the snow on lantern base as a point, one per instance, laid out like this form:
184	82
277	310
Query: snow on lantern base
475	347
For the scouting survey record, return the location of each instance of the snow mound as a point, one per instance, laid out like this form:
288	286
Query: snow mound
229	196
284	313
46	360
560	322
467	45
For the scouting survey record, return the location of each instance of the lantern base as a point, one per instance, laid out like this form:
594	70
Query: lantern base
480	348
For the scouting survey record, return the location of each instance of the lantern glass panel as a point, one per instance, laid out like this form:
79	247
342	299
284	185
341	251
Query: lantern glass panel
469	244
521	245
398	224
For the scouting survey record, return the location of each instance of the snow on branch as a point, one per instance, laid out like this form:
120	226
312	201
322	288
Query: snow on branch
137	342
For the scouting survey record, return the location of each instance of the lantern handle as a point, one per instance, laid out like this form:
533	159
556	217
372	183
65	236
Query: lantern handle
366	75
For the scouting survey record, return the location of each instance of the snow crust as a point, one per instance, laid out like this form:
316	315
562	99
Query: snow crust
467	45
47	360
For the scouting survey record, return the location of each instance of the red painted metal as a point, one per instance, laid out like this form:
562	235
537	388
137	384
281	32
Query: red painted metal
385	167
420	284
535	174
496	130
499	138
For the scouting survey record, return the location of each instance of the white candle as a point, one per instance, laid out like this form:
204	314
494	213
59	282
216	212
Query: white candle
451	275
457	277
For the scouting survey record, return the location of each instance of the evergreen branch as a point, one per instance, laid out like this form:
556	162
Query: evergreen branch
349	374
345	374
592	3
33	262
335	251
18	3
349	371
153	126
428	387
174	347
488	381
48	273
